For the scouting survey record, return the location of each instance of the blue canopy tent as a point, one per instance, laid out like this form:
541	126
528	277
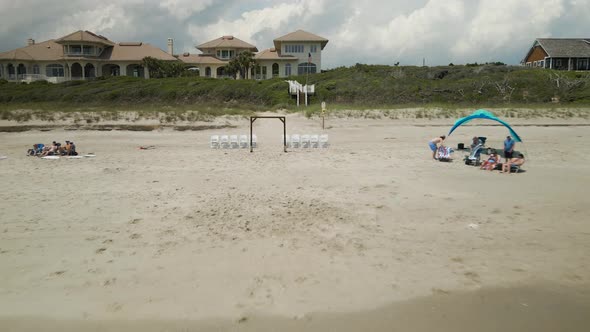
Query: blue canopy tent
483	114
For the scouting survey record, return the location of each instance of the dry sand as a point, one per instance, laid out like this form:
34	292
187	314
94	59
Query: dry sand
369	234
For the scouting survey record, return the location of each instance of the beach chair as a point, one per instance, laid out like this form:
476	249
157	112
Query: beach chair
233	142
224	141
474	158
254	141
295	141
314	141
323	141
287	140
443	153
214	142
243	141
305	141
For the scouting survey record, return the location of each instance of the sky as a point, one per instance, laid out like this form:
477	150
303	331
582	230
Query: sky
438	32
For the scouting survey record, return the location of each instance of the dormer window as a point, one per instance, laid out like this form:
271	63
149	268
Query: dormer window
88	50
225	54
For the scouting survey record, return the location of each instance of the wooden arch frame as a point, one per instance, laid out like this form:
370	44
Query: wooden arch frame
283	120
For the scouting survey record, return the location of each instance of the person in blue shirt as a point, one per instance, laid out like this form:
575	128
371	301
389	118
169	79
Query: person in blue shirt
508	148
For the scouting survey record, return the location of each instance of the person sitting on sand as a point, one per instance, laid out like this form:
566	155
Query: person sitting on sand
72	149
66	149
490	164
518	161
433	144
51	150
474	143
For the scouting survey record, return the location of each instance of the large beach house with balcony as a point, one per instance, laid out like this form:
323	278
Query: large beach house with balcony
77	56
215	55
296	53
85	55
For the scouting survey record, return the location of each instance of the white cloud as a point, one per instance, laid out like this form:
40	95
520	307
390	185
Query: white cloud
252	22
376	31
183	9
507	24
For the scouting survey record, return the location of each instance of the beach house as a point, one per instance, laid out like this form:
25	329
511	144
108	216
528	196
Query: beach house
559	53
84	55
215	55
81	55
296	53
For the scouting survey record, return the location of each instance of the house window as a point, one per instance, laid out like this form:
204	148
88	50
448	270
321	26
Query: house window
259	72
294	49
54	70
306	68
1	70
542	63
288	69
313	48
225	54
36	70
75	49
558	62
87	50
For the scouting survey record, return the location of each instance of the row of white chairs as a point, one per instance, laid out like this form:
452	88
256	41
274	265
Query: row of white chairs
232	141
306	141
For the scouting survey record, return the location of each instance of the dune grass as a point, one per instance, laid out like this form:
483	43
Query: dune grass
436	91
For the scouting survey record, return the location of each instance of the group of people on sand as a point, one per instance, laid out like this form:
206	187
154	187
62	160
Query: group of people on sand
55	149
494	159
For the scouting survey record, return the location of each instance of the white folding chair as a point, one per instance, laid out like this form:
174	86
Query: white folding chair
295	141
314	141
243	141
254	141
323	141
224	141
305	141
286	139
214	142
233	142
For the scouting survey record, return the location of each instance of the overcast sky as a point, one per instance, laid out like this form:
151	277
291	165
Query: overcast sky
369	31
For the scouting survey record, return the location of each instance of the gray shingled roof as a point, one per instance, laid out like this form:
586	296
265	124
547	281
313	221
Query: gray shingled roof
566	47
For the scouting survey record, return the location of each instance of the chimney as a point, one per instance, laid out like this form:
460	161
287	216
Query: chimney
171	46
30	41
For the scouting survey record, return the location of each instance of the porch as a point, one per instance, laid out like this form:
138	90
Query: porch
570	64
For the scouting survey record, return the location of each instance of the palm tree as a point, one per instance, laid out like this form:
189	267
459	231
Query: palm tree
241	64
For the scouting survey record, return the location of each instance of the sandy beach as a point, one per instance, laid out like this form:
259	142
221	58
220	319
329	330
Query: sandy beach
370	233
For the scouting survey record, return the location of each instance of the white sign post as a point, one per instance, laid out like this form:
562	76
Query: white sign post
323	113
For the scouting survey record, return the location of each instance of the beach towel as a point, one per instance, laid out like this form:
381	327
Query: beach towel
444	153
